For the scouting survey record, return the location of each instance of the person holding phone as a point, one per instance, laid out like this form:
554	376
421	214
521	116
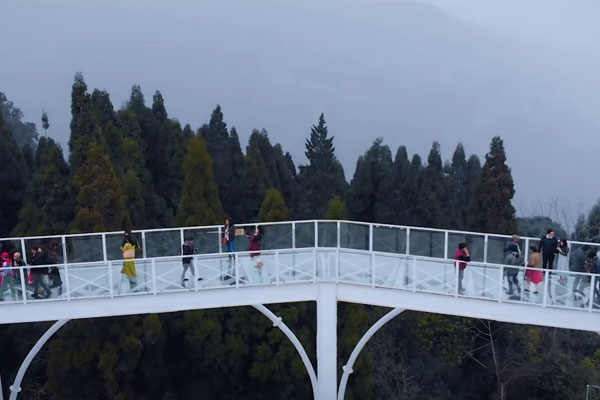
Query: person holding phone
463	256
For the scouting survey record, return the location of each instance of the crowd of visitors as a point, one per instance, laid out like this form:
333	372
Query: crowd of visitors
551	254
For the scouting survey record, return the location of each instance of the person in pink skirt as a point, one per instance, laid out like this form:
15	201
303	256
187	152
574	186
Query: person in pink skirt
534	277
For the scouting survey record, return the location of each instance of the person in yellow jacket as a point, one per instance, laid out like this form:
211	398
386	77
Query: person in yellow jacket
128	248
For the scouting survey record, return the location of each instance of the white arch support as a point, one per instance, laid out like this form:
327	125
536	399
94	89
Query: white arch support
359	346
278	323
16	386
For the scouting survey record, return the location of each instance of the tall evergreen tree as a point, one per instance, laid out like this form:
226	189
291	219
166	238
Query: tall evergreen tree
13	173
83	132
23	133
273	208
323	177
490	209
434	191
226	154
200	203
48	208
458	189
372	170
412	193
101	198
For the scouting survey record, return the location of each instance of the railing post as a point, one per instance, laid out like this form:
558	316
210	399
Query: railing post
338	233
372	270
67	282
23	251
370	237
144	244
314	265
111	290
237	270
445	245
456	277
153	265
277	266
546	286
407	241
104	255
293	235
414	277
592	290
23	287
501	282
337	266
220	232
485	248
64	248
316	233
526	251
196	274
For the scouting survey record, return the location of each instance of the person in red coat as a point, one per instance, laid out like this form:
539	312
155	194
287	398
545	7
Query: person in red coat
463	256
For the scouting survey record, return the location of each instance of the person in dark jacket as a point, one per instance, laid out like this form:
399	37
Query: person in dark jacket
513	256
228	240
462	254
578	265
39	259
187	249
548	249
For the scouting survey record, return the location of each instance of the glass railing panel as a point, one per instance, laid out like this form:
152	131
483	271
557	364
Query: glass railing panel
480	280
215	270
11	246
298	266
168	275
163	243
277	236
475	244
87	281
114	242
52	245
426	243
11	290
84	249
131	277
354	236
304	234
354	267
259	269
206	240
327	234
389	239
392	271
435	276
496	249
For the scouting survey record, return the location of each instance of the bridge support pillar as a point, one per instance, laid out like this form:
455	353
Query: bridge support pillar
327	341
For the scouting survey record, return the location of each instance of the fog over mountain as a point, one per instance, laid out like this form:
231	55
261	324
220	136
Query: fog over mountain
410	72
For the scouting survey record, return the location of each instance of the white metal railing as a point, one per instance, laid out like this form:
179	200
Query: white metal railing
158	275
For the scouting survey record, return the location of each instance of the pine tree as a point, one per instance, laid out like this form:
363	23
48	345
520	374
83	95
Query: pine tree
372	170
490	209
412	194
273	208
458	189
45	122
101	198
434	192
226	154
48	208
23	133
200	203
323	177
175	152
336	209
13	173
83	132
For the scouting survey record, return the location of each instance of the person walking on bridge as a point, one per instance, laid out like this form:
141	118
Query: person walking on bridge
535	275
548	249
513	256
7	276
187	249
39	258
128	248
463	256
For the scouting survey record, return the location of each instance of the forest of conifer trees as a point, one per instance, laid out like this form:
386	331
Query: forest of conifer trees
137	168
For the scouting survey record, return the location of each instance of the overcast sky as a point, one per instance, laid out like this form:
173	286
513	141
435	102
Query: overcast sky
409	71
